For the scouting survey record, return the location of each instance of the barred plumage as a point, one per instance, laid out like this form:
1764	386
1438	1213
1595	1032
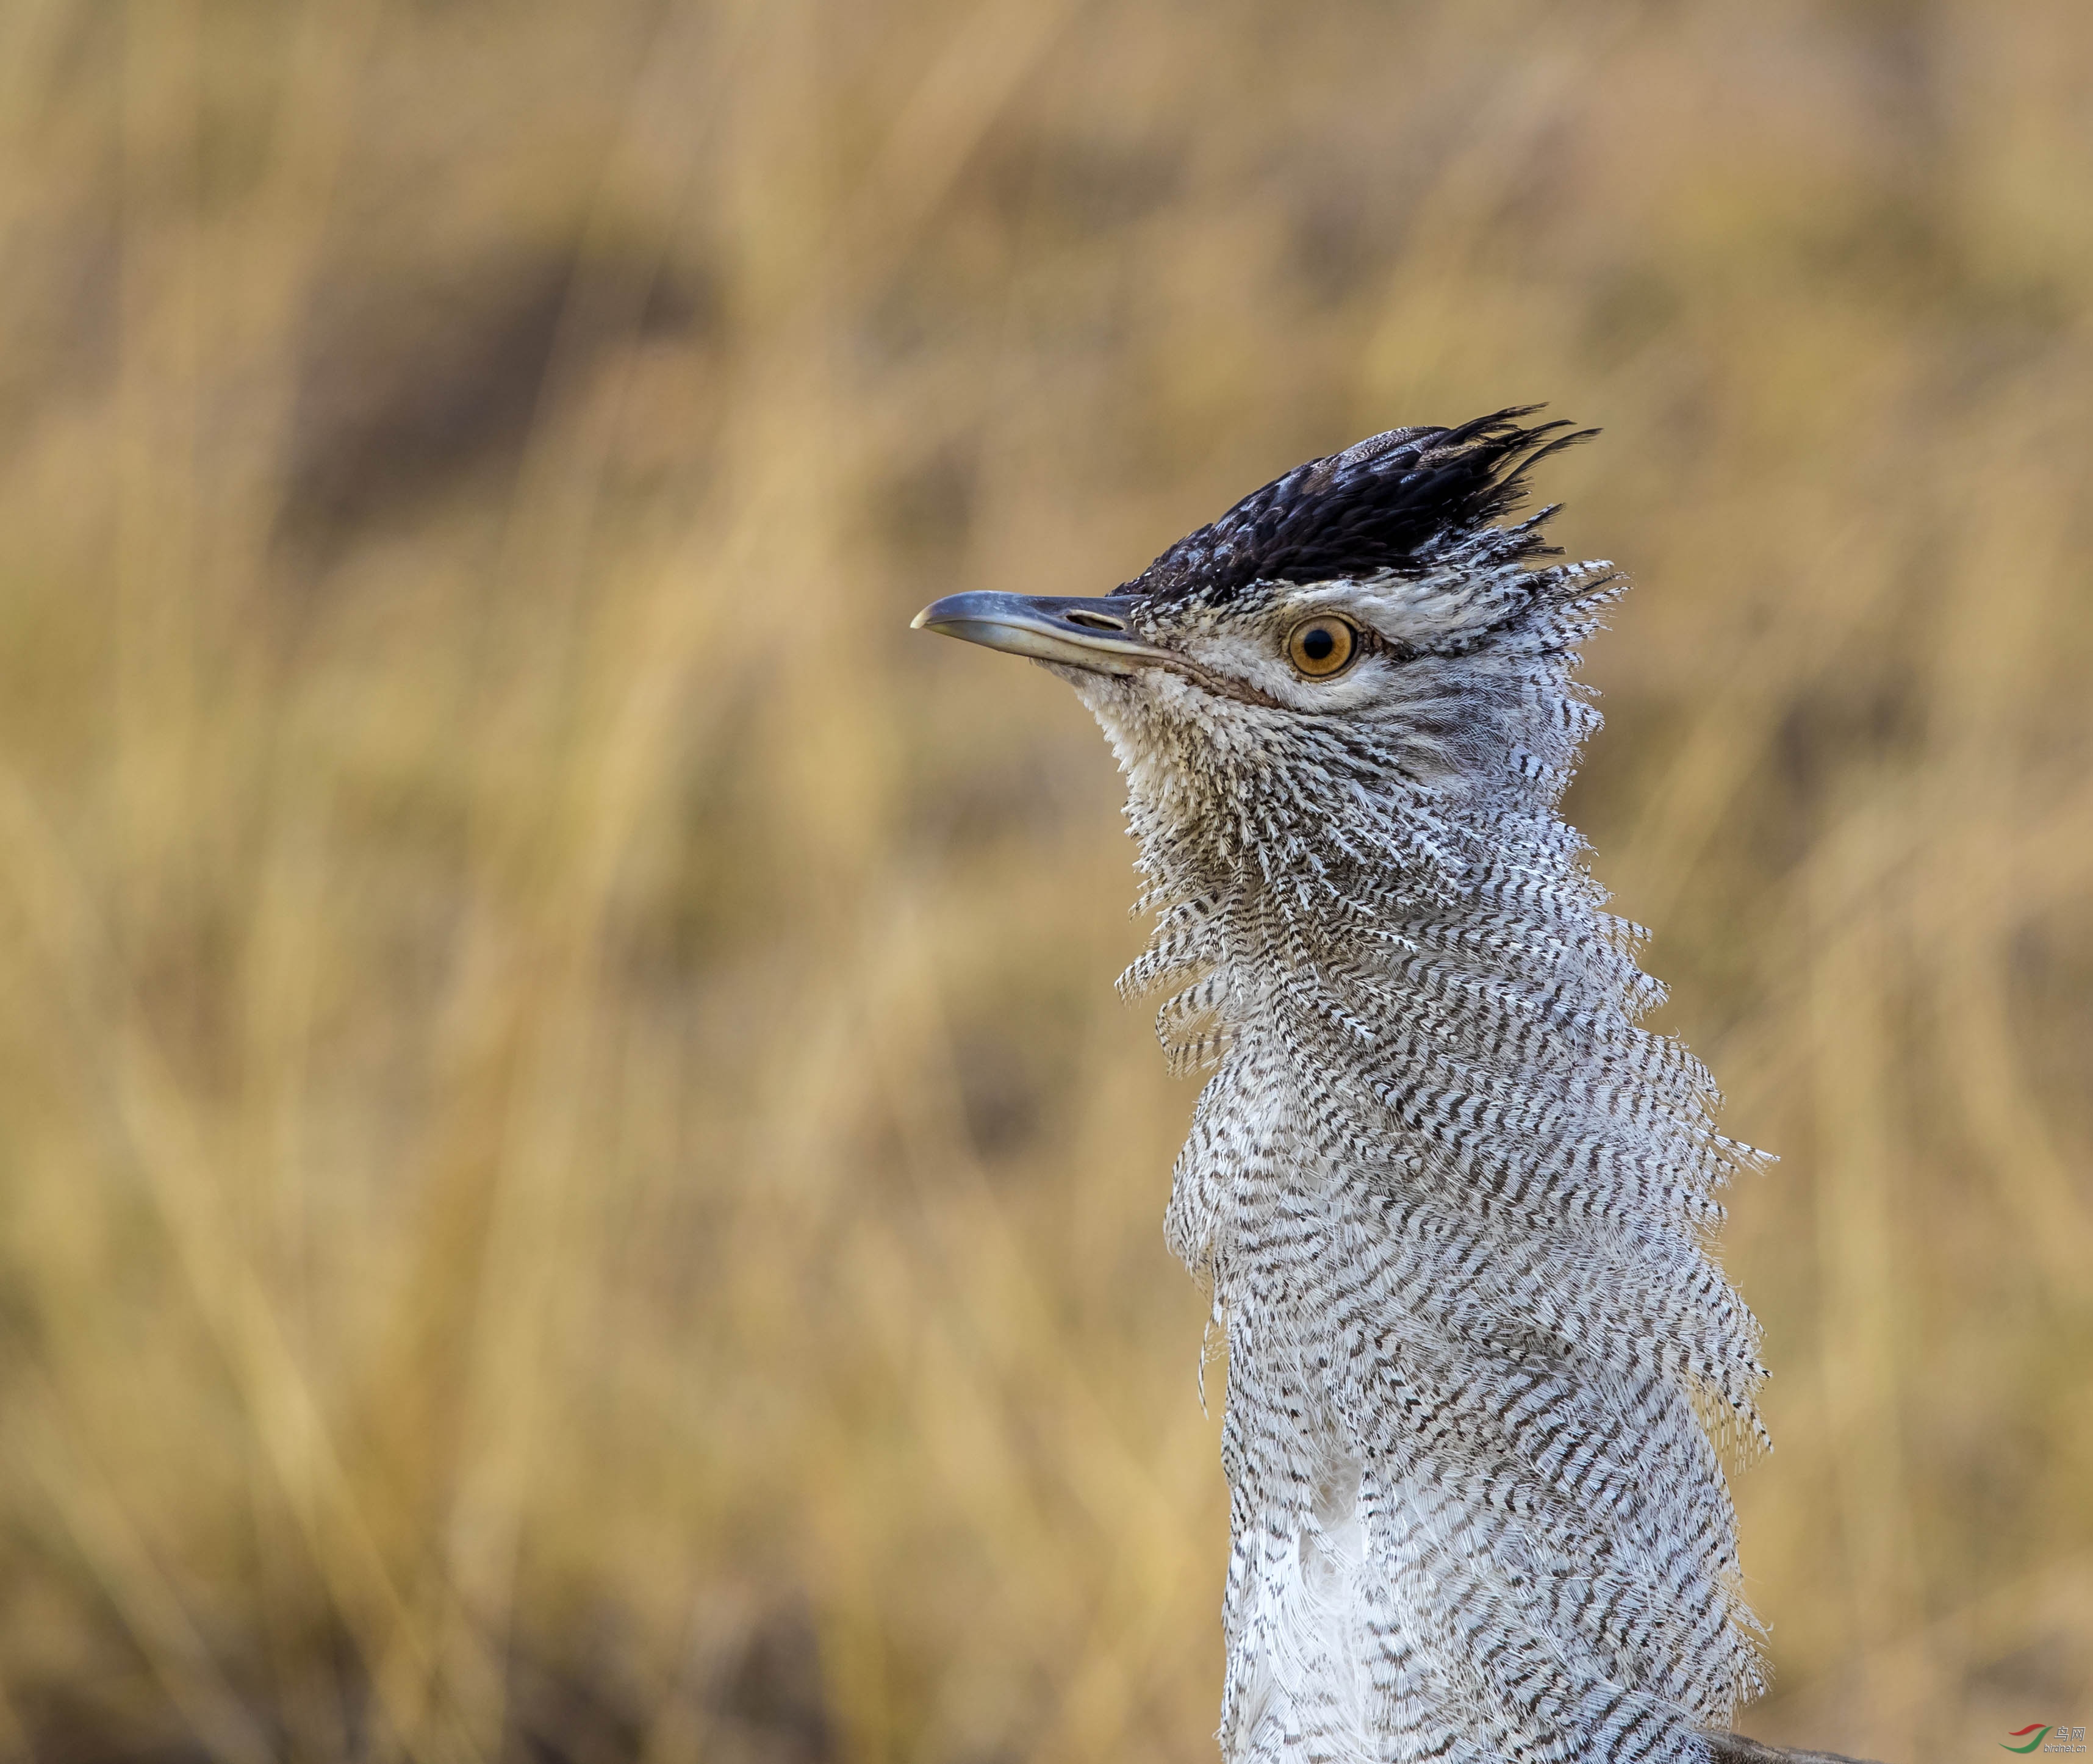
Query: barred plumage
1452	1199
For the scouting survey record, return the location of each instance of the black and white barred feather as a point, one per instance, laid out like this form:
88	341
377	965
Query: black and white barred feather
1453	1200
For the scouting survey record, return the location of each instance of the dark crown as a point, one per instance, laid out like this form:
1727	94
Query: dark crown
1382	505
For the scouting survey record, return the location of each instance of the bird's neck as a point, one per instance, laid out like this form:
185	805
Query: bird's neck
1453	1201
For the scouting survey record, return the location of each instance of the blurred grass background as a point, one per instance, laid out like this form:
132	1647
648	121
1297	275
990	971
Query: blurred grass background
572	1184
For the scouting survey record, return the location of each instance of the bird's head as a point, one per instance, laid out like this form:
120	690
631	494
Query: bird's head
1363	624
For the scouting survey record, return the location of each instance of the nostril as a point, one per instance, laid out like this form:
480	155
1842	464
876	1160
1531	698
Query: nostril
1095	621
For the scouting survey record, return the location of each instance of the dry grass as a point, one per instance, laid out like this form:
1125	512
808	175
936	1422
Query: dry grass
574	1183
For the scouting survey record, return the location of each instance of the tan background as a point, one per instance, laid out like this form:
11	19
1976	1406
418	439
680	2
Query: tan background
572	1183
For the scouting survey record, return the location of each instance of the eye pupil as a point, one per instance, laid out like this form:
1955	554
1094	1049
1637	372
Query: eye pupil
1318	643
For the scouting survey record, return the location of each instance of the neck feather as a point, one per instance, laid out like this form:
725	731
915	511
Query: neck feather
1454	1203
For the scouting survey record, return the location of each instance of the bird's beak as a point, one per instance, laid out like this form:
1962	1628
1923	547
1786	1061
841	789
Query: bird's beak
1096	635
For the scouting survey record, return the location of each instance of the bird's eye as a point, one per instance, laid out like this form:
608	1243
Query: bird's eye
1319	647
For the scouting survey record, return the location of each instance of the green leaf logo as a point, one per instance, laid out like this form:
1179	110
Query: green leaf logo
2035	1727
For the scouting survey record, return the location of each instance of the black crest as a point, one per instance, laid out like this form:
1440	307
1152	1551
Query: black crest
1376	506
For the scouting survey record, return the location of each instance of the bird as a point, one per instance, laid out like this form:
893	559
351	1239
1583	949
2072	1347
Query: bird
1455	1204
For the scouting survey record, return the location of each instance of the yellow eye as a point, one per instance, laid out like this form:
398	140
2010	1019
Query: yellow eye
1322	647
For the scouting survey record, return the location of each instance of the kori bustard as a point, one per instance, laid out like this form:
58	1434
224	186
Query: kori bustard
1453	1201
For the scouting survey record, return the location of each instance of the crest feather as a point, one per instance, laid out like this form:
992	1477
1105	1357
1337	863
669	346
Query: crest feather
1385	503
